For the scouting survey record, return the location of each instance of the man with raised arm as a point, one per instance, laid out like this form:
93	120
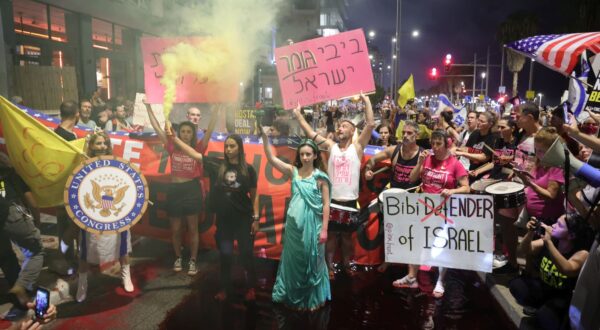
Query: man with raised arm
343	169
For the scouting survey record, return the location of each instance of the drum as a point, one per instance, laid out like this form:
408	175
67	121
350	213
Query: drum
478	187
376	205
507	194
343	215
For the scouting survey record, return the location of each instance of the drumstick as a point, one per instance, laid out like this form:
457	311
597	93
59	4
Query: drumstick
413	188
489	148
383	169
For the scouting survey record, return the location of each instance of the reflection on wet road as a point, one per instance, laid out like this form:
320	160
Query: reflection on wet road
364	301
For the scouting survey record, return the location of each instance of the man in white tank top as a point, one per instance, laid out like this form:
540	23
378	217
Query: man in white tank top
343	168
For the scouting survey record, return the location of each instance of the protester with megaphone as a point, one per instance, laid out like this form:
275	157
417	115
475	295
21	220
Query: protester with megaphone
555	155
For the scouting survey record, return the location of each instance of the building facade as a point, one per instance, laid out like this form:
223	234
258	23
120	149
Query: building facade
56	50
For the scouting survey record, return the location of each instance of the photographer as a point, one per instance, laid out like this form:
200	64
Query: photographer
559	253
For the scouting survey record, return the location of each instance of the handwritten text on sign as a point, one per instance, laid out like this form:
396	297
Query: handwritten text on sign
190	88
324	69
427	229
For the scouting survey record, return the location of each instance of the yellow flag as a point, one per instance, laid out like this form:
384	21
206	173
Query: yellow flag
42	158
406	92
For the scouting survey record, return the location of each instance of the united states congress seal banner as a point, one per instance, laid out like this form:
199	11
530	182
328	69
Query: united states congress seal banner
106	194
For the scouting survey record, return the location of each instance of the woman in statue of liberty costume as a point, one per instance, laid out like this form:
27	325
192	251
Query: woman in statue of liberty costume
302	281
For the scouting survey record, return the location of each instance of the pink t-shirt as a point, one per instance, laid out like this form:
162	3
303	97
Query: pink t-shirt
438	175
541	208
182	165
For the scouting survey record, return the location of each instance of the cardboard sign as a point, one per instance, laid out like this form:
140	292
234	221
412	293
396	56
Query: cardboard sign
140	114
189	88
245	121
324	69
427	229
593	101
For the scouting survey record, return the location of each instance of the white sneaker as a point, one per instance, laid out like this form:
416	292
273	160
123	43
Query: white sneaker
177	266
126	277
499	261
82	286
192	268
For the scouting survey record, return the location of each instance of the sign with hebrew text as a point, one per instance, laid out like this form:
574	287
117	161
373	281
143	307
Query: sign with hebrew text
324	69
193	88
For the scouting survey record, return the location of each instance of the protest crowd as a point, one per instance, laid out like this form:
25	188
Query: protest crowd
510	189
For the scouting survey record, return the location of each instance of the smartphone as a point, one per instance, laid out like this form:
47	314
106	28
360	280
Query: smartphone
539	230
565	107
42	302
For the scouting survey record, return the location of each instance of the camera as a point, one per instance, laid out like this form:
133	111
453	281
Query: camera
539	230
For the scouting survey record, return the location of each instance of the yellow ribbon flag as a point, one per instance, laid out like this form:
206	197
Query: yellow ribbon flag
406	92
42	158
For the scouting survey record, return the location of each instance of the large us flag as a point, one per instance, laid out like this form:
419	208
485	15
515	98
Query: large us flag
560	52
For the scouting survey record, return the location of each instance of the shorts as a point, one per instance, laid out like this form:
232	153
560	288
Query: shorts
336	226
184	198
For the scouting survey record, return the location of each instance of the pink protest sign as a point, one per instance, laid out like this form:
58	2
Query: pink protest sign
324	69
189	88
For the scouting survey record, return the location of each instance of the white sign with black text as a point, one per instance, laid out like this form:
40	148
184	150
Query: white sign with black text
428	229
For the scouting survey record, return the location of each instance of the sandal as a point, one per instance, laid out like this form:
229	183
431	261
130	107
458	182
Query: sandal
406	282
438	291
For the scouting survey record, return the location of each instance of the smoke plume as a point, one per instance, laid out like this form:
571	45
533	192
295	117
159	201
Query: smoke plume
235	32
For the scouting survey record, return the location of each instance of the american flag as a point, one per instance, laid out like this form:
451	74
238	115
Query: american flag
559	52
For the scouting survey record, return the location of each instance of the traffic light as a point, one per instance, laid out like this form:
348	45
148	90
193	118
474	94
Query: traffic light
433	74
447	62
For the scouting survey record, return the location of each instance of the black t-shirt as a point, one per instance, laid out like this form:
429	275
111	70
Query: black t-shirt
12	189
401	170
502	148
231	195
66	135
475	145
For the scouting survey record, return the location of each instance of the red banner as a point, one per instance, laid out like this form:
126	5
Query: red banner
148	153
324	69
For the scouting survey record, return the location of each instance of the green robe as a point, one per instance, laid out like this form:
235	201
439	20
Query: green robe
302	278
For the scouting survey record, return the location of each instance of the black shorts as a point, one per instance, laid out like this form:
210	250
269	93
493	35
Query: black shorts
339	227
184	198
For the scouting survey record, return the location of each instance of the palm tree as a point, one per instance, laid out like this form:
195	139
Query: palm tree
517	26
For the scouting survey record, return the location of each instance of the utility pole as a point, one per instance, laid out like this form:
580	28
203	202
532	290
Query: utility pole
487	71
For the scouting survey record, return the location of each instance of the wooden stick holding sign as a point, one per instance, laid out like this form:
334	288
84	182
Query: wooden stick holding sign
383	169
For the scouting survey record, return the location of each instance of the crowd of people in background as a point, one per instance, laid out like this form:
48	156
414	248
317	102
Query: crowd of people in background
556	284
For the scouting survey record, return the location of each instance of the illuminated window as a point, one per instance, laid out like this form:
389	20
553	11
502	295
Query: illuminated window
268	92
28	55
31	18
58	28
102	34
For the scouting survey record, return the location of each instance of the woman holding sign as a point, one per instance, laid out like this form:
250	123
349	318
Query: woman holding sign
440	173
302	278
104	248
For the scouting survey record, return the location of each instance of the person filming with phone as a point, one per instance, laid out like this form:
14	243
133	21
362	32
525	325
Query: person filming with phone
557	254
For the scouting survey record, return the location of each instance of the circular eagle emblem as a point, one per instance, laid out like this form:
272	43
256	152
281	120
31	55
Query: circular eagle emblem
106	194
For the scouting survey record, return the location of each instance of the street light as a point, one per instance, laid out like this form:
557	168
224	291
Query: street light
371	34
482	79
540	95
415	33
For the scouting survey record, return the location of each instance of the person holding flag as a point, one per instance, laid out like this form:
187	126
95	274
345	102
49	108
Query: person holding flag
343	169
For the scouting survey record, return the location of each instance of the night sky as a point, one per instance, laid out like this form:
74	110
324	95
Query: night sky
459	27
